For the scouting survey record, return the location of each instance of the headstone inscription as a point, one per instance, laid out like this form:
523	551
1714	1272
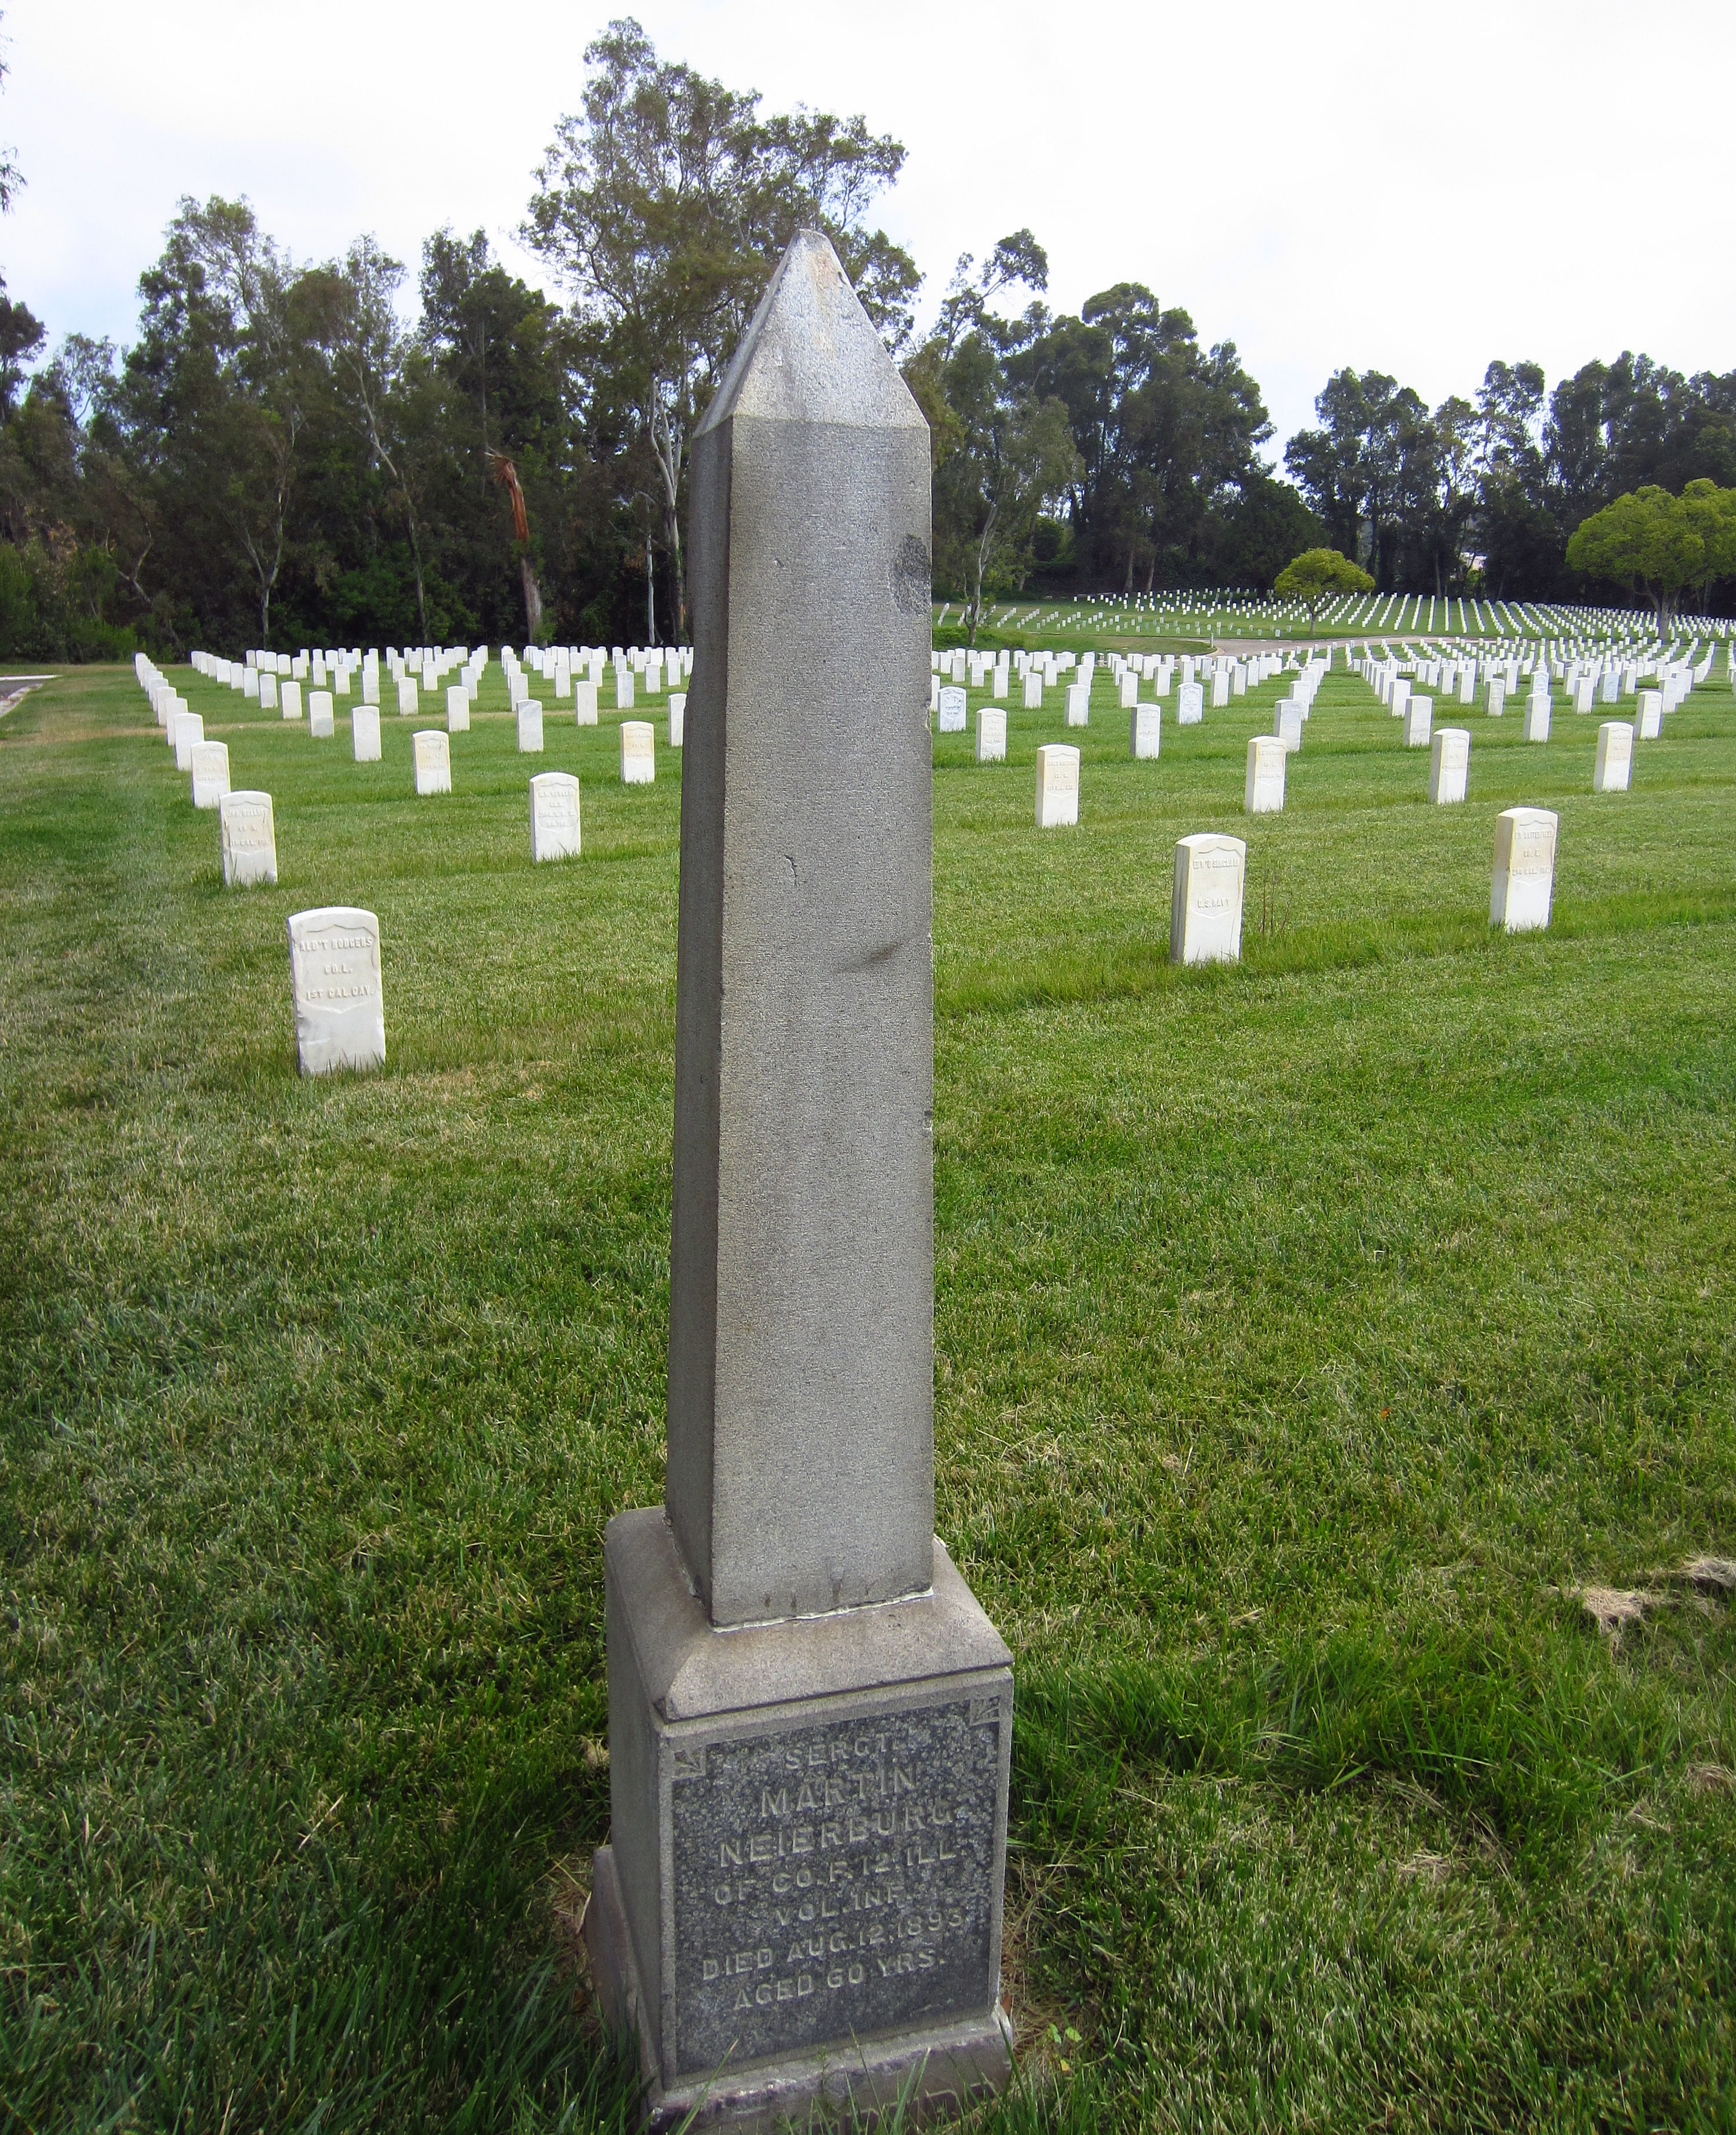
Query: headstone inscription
1262	787
1614	763
638	752
434	761
1205	903
779	1737
1190	704
1057	785
991	734
1449	762
1524	870
1145	729
334	972
247	838
553	815
950	713
210	767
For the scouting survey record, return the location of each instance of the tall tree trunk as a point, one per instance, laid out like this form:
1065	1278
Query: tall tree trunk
533	600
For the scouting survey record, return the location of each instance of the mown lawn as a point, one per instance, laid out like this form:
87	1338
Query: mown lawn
1306	1337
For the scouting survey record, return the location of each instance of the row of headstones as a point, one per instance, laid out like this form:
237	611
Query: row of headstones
335	978
246	824
1616	738
259	676
1229	677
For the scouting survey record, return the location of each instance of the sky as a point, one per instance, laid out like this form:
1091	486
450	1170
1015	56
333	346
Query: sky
1413	188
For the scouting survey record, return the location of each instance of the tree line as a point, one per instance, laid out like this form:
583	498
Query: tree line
281	458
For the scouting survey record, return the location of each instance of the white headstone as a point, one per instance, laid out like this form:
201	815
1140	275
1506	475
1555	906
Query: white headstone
1418	721
434	761
186	730
334	970
1206	905
584	704
1033	690
407	698
531	727
638	752
553	815
1129	688
1262	787
365	732
623	689
1614	762
1650	723
457	709
268	693
1536	719
1145	729
1057	785
1287	726
210	767
991	734
1449	762
247	838
677	717
1190	710
950	714
1497	697
1079	704
1524	870
322	725
291	701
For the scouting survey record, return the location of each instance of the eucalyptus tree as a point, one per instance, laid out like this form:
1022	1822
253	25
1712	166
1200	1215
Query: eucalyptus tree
663	203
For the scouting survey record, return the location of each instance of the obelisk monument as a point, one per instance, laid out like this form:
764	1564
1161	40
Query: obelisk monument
810	1716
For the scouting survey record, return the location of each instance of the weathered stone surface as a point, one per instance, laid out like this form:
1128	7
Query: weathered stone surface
800	1388
1613	766
833	1791
1206	902
1263	787
434	761
1524	881
1145	729
339	1008
247	838
1449	763
991	734
209	765
554	827
638	752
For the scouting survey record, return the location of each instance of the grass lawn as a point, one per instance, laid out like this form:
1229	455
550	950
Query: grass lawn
1307	1336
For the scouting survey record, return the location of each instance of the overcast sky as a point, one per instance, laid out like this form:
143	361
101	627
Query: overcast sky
1417	189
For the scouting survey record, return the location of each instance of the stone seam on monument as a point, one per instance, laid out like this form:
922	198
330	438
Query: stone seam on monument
810	1716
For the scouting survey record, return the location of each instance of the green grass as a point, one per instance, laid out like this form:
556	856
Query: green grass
1306	1334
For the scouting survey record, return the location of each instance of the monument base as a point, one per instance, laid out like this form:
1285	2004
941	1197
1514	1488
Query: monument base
801	1904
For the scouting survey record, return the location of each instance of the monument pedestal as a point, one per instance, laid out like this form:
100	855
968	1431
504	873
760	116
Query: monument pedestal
803	1899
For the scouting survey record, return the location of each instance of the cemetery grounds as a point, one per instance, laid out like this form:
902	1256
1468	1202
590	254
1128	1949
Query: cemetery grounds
1312	1337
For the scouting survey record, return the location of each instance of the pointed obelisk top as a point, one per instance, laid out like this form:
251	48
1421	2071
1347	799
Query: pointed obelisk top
811	354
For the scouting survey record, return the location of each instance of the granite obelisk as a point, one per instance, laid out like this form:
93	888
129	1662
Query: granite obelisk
810	1716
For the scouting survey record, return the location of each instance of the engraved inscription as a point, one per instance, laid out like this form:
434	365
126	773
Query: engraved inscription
834	1881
